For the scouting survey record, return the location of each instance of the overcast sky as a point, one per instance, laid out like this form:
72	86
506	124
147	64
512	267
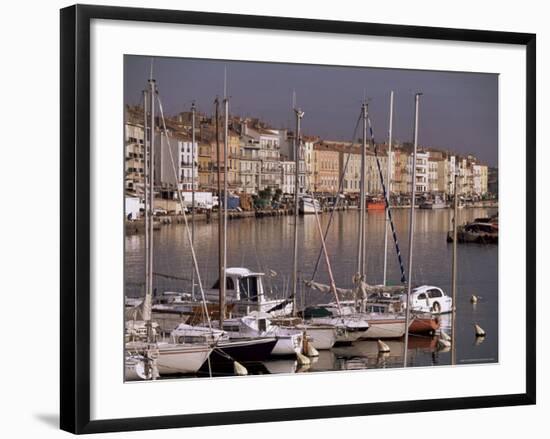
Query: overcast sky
458	111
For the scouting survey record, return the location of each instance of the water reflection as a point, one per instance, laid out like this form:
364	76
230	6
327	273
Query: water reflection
266	244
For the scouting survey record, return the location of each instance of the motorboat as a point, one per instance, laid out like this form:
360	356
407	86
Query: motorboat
476	232
289	340
436	203
245	293
308	205
429	299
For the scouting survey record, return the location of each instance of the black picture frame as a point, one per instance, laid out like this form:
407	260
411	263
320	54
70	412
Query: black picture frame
75	217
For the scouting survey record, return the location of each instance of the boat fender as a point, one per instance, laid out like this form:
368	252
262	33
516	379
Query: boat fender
443	344
302	359
239	369
311	351
382	347
480	332
444	336
473	299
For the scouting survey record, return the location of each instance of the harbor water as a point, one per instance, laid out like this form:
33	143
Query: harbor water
266	245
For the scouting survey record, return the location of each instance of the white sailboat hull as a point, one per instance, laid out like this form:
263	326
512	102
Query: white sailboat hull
321	338
345	336
177	358
348	328
288	345
134	369
385	329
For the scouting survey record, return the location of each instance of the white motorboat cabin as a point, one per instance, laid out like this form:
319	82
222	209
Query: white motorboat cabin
431	299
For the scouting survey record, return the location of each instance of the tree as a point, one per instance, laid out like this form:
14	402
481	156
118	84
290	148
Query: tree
278	193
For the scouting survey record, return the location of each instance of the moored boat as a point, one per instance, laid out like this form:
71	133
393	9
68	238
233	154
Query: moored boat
243	350
177	358
308	205
289	340
423	323
376	204
436	203
476	232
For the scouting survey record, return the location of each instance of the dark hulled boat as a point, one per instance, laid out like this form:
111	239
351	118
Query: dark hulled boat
243	350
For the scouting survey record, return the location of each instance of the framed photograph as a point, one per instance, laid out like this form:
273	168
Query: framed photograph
272	218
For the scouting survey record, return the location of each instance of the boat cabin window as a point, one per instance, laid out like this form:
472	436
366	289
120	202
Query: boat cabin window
183	339
248	287
376	309
231	328
262	325
434	293
229	284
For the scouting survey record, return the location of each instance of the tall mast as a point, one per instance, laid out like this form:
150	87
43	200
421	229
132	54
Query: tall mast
362	201
454	268
411	228
299	115
221	270
225	162
388	192
193	152
152	94
146	190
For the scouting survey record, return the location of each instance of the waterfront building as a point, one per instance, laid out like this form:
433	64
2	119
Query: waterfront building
479	179
308	142
288	177
250	165
268	139
185	158
373	183
421	172
134	157
205	166
326	168
233	160
188	164
352	174
400	176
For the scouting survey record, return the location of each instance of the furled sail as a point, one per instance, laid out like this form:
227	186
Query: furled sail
363	287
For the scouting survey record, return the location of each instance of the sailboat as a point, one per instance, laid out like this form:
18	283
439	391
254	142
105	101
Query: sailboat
348	328
254	348
384	303
386	324
147	357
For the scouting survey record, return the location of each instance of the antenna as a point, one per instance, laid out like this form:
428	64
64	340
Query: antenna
293	99
151	69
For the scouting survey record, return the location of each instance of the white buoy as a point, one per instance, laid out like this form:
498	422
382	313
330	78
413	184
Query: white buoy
239	369
479	340
382	347
479	331
302	359
444	336
473	299
311	351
